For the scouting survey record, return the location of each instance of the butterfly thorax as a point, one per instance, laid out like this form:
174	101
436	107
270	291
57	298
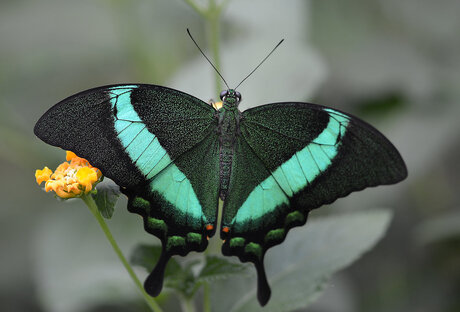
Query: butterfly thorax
229	117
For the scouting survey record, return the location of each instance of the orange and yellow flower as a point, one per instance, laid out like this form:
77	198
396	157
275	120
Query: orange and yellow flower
70	179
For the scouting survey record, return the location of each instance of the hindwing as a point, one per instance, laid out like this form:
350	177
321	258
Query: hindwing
289	159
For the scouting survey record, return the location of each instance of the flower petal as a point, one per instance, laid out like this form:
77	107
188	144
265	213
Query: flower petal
43	175
63	194
69	155
86	177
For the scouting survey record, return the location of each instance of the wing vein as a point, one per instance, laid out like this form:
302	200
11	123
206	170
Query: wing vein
137	159
265	166
135	137
313	157
301	168
178	156
124	129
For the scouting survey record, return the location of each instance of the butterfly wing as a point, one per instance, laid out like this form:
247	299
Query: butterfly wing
289	159
160	145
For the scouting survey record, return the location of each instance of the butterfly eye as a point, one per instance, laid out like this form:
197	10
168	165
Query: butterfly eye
238	96
223	94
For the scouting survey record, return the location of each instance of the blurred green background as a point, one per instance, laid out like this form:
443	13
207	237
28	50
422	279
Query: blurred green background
396	64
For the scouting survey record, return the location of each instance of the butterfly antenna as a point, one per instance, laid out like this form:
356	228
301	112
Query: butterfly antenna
273	50
191	37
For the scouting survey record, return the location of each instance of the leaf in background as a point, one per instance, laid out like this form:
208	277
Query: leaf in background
177	277
106	197
147	256
299	269
184	280
381	105
438	229
217	268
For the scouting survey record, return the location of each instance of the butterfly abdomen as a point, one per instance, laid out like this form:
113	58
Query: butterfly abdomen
228	128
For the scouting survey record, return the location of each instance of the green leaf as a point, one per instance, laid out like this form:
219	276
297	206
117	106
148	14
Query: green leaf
381	105
106	197
218	268
181	279
215	268
147	256
184	281
299	269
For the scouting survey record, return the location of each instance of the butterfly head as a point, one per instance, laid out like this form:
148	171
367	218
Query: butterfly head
231	98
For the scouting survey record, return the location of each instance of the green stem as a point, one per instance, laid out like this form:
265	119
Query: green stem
188	305
194	6
213	32
89	201
212	16
206	298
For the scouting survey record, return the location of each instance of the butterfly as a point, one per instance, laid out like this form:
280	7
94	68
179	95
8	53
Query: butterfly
175	156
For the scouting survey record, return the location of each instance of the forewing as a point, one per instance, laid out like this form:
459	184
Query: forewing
289	159
159	145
